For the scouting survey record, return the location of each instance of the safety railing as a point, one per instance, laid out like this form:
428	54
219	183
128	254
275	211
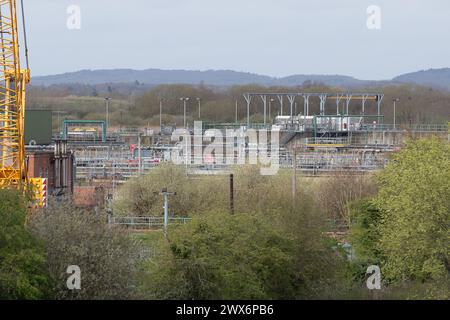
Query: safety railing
327	141
405	127
147	222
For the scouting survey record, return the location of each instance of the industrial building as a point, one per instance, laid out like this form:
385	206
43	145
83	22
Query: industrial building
46	157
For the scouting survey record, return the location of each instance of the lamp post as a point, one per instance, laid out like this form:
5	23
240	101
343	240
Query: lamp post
166	195
199	107
185	100
160	115
107	112
395	103
236	112
270	108
139	154
59	120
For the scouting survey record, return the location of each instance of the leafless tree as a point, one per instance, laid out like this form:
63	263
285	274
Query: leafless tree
107	256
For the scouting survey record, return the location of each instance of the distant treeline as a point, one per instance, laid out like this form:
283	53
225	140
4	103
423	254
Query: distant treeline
136	104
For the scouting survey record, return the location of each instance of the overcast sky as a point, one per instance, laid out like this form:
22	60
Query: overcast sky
272	37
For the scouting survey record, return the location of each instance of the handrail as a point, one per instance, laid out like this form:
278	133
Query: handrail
147	222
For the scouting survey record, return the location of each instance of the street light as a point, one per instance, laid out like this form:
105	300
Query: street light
59	119
395	102
236	112
185	100
166	195
107	112
160	114
199	107
270	108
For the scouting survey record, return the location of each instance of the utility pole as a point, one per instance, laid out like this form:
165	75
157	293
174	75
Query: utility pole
109	210
199	107
232	193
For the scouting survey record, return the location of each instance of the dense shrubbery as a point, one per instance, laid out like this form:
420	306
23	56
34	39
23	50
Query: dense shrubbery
403	227
241	256
34	257
23	274
406	227
107	256
414	200
219	256
140	196
337	193
224	256
273	247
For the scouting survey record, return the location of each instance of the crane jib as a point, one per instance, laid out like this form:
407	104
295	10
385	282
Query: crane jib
13	81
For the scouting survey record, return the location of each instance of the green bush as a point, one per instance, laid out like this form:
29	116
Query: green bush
365	236
405	228
414	200
23	273
241	256
107	256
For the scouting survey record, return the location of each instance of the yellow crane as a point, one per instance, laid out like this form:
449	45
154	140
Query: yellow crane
13	81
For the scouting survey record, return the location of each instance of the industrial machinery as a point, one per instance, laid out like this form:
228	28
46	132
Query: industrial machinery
13	81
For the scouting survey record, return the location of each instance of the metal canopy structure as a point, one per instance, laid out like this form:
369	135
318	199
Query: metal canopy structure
83	123
323	98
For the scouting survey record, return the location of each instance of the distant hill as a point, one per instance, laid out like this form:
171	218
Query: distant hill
154	77
438	78
329	80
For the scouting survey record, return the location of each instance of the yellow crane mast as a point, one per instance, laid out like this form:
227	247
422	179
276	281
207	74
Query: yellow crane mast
13	81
